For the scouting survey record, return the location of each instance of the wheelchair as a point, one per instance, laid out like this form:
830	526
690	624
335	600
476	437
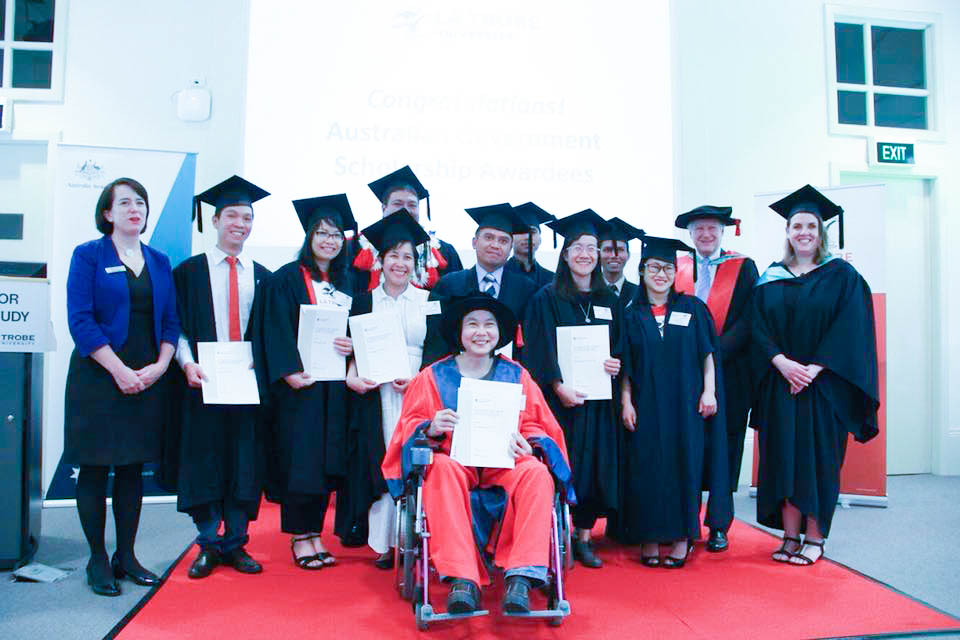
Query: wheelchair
412	568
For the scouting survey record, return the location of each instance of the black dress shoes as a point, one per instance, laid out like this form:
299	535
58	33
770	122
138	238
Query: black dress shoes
240	560
516	597
384	560
135	573
583	551
204	564
718	541
102	581
464	597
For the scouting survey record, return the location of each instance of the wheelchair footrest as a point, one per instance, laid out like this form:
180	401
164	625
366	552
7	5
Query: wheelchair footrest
427	615
562	610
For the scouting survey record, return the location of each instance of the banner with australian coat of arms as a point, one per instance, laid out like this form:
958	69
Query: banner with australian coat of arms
80	175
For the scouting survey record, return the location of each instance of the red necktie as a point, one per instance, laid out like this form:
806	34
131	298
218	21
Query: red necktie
233	303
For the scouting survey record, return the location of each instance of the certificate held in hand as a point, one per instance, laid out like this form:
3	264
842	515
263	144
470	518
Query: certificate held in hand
581	352
319	325
489	413
379	346
230	376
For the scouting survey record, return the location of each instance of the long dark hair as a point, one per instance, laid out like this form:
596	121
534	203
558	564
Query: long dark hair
640	297
563	281
105	203
337	271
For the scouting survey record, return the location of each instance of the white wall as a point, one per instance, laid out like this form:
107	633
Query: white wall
124	61
750	113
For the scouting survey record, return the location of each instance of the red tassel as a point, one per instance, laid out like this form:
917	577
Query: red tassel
433	277
519	340
736	221
364	260
374	280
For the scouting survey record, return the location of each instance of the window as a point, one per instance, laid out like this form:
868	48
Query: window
880	72
31	56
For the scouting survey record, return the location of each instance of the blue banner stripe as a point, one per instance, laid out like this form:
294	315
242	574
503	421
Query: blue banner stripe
173	234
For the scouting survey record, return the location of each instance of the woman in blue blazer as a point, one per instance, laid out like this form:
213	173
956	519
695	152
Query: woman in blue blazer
122	312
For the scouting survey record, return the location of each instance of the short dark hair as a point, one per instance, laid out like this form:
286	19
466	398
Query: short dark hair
337	272
563	280
396	245
401	186
105	203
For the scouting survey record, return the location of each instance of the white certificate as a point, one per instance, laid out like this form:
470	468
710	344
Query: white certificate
581	352
230	377
379	346
489	413
319	325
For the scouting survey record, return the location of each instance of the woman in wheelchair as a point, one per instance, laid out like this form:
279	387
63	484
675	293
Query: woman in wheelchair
479	325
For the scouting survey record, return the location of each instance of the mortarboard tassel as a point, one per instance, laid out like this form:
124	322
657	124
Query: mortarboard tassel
840	215
198	213
736	221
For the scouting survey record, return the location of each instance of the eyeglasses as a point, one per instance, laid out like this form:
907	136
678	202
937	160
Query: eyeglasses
654	269
336	236
581	249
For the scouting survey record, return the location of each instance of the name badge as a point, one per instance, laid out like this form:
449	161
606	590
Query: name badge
341	299
431	307
116	269
602	313
679	319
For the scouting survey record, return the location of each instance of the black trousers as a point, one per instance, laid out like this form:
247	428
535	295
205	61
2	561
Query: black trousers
301	514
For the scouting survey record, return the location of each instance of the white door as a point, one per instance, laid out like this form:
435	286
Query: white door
909	265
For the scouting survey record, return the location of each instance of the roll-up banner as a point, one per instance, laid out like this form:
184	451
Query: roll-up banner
864	472
81	172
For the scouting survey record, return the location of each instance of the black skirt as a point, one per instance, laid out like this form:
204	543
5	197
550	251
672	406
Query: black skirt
102	425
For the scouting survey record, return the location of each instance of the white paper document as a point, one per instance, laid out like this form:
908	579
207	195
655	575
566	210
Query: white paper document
489	413
581	352
379	346
319	325
230	379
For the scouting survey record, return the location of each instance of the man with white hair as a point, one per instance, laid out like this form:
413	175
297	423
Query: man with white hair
724	280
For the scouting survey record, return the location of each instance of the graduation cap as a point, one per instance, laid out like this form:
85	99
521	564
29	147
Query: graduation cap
664	249
498	216
400	179
617	230
456	308
232	191
335	207
806	199
532	215
587	221
708	212
397	227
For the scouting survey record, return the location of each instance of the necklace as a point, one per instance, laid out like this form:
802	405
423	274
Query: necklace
586	312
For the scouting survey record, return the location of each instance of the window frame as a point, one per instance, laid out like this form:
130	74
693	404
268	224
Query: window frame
57	47
930	24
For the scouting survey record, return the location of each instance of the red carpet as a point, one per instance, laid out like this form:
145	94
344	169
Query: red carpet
737	594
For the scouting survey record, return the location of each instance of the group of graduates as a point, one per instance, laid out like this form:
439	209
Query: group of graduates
698	343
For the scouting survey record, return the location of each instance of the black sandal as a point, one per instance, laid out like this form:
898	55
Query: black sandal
804	561
783	549
673	562
304	561
326	558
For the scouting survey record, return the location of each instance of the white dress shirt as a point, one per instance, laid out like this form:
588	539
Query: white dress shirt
496	274
220	288
618	284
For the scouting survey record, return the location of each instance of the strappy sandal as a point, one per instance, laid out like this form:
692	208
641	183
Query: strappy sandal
673	562
304	561
783	549
801	560
326	558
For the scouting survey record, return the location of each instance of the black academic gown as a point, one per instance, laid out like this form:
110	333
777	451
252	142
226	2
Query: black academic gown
733	351
361	277
540	275
592	429
823	317
218	448
663	458
515	292
363	483
307	439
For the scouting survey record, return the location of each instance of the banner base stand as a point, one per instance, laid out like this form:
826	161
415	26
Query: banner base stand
847	500
55	504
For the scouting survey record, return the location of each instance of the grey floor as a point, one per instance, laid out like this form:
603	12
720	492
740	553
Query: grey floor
912	546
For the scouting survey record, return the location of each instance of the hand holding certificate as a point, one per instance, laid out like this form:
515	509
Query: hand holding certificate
581	352
319	325
489	415
230	376
379	346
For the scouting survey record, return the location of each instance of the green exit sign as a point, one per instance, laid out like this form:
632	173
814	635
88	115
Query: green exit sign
894	153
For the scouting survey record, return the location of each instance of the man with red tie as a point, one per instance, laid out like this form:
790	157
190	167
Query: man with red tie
724	281
219	468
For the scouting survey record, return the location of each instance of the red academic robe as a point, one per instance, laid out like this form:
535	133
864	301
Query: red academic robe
529	486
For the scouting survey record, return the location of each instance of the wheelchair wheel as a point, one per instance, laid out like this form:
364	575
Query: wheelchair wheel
566	538
407	550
